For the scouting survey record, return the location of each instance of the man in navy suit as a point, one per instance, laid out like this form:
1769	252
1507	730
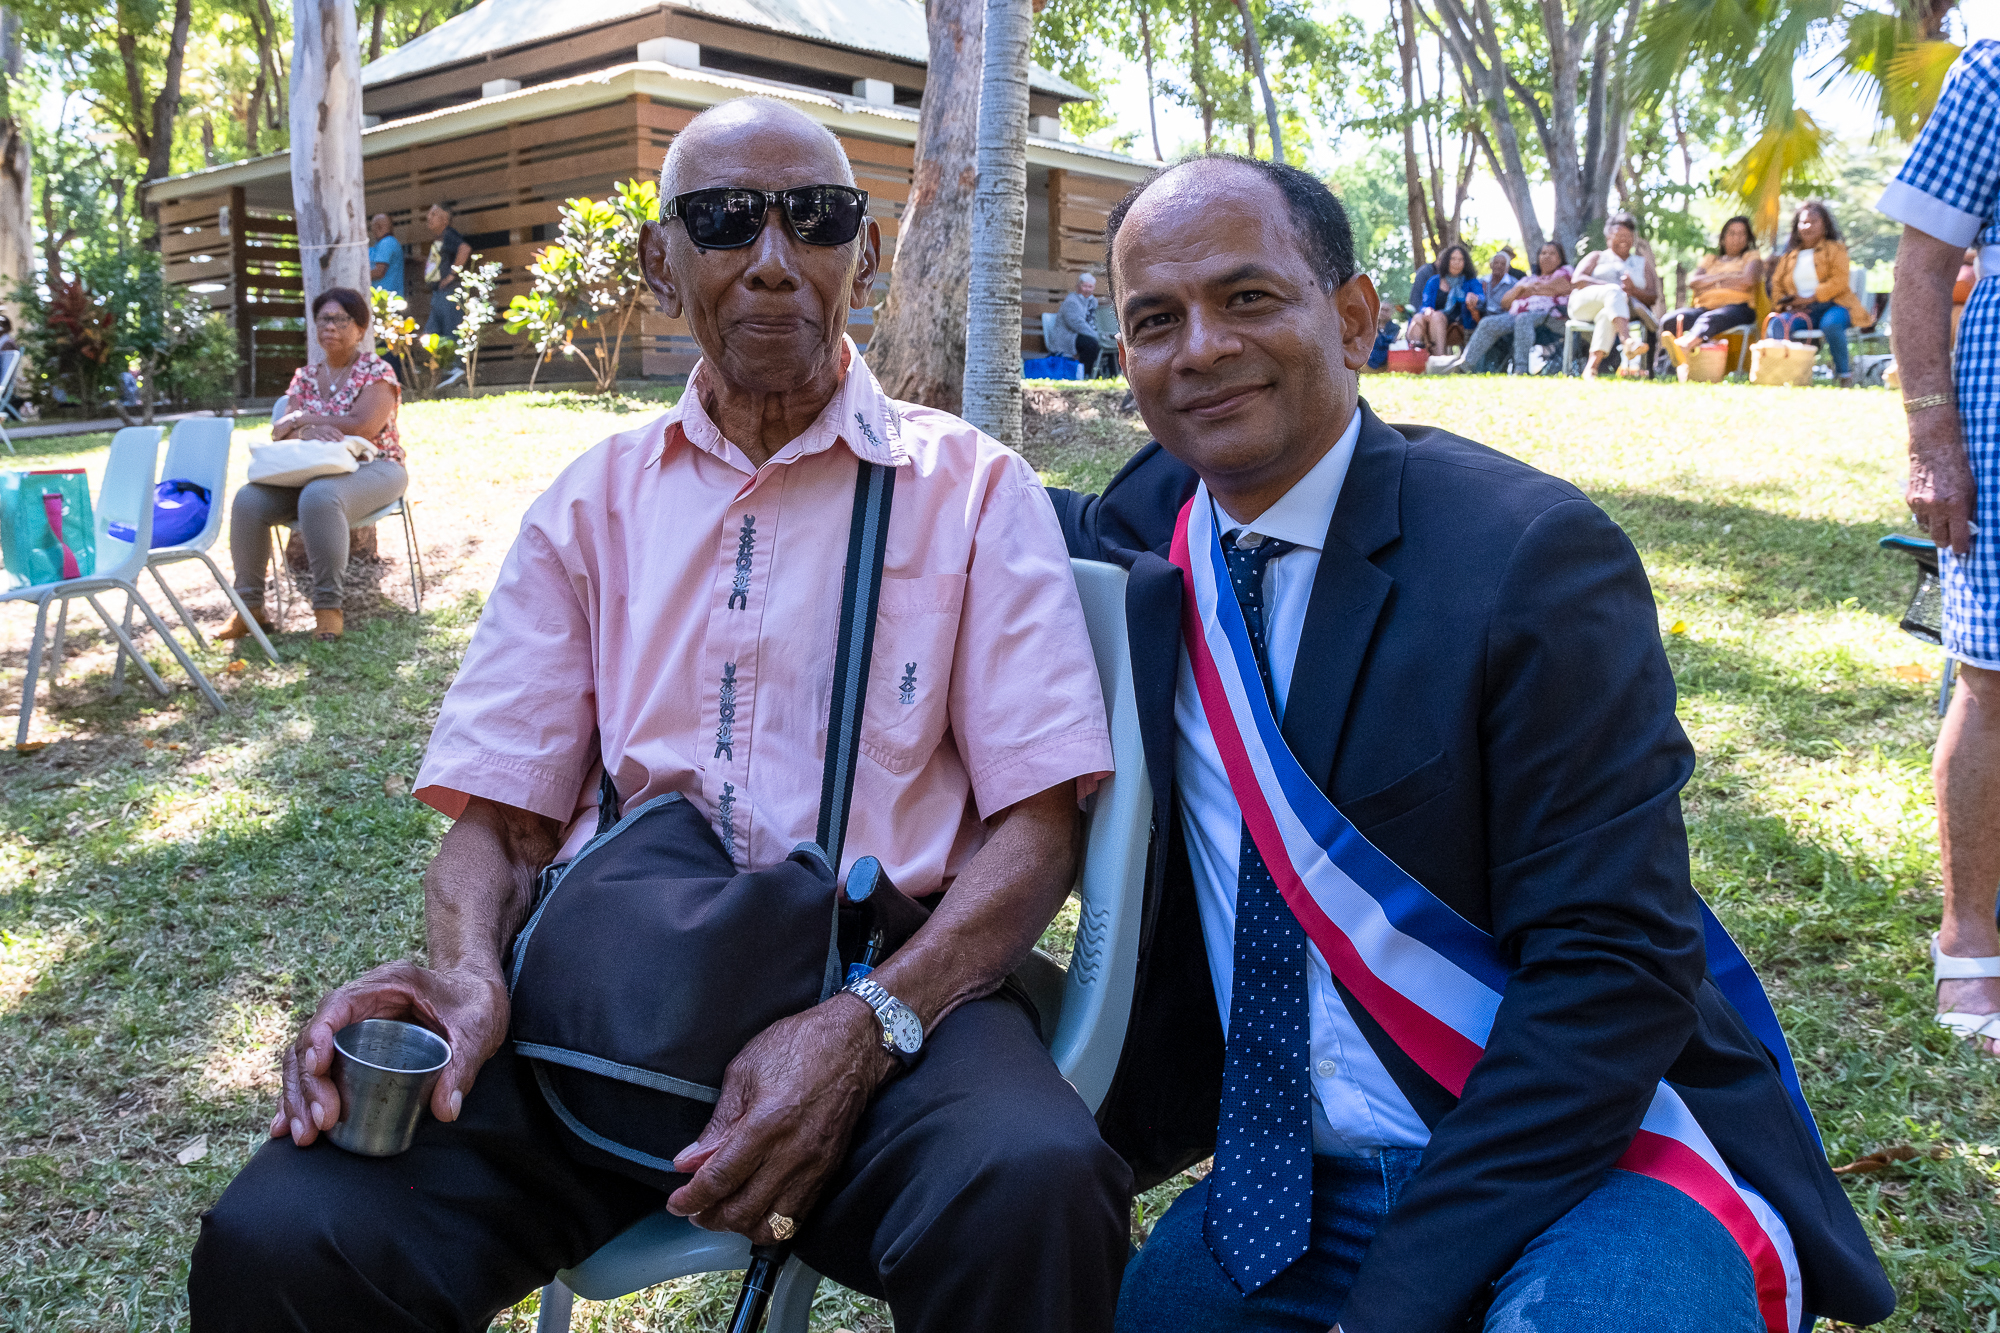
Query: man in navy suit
1465	658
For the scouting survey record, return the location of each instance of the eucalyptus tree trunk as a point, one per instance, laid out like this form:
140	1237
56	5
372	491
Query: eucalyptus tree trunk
999	227
327	198
1146	51
917	349
1255	51
17	228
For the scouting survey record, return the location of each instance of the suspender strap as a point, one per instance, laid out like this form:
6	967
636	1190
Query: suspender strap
861	590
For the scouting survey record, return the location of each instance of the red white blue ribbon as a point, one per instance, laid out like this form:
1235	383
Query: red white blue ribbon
1432	979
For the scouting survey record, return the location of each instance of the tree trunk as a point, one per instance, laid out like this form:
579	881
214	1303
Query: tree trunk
159	161
1146	52
326	151
999	227
918	346
1413	181
1197	74
375	30
17	228
1255	52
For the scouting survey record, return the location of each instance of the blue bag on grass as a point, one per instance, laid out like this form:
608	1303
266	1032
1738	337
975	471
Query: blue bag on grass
180	512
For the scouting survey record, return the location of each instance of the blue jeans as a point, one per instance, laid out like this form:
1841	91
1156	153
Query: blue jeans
1634	1254
1831	320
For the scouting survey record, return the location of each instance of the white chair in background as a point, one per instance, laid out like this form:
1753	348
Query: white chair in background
10	366
1087	1005
125	497
198	451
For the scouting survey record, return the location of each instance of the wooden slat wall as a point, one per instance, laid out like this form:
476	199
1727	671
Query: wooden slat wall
514	180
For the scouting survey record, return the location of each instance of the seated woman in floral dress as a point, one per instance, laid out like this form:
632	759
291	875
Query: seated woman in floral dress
353	392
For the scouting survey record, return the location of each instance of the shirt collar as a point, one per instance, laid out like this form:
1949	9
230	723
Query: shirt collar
1302	514
859	416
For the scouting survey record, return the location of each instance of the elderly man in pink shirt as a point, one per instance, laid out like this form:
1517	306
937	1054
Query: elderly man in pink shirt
666	617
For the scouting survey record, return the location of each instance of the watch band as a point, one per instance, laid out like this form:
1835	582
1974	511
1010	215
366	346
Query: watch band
902	1031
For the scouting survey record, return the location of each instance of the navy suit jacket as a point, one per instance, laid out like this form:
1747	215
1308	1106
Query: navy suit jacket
1481	690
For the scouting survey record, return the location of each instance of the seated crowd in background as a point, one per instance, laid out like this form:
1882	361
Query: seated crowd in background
1612	287
1529	310
353	393
1725	292
1451	300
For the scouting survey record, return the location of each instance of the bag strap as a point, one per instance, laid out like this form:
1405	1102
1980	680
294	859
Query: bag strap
861	591
52	505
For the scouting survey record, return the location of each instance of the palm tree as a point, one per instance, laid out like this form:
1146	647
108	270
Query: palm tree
999	227
1896	58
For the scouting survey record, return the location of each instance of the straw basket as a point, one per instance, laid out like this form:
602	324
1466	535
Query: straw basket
1707	364
1776	361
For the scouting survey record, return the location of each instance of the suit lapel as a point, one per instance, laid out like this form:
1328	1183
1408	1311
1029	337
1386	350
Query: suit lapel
1348	595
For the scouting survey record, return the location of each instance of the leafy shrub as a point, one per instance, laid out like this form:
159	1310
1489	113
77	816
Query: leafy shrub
588	282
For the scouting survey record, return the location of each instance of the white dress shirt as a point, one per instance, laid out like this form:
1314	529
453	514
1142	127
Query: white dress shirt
1357	1107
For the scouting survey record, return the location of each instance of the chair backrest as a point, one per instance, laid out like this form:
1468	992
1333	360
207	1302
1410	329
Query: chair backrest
279	408
126	496
1097	995
1857	278
1049	331
10	366
198	452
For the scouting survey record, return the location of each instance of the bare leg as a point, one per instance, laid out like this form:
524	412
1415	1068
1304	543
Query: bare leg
1966	771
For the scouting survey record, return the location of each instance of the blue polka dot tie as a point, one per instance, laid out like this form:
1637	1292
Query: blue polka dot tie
1259	1214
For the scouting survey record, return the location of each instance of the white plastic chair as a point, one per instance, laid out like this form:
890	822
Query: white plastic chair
1049	333
198	451
1857	279
125	497
10	366
1091	1001
396	508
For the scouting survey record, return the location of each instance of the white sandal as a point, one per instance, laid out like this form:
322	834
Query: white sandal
1944	967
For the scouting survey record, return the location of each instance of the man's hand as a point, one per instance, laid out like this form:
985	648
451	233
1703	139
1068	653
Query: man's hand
789	1103
1940	493
469	1008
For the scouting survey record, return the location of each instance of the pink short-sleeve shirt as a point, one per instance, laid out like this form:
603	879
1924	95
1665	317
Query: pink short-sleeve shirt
673	609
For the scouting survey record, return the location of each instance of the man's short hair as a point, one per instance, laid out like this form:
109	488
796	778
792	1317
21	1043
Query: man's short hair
670	167
444	208
1621	219
1325	237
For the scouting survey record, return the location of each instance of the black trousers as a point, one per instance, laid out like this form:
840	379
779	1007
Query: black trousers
1086	352
977	1195
1701	322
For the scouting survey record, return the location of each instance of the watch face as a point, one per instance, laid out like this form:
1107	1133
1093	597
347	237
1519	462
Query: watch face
902	1028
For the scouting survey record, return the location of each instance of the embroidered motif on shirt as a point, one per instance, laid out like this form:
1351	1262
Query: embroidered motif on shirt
908	689
725	813
746	545
868	431
726	711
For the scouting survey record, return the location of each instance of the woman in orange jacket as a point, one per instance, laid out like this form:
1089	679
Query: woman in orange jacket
1816	295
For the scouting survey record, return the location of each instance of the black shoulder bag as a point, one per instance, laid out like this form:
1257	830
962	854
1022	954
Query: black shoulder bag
650	960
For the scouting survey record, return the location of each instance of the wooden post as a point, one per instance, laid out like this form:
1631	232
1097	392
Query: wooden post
327	193
231	217
999	228
1056	183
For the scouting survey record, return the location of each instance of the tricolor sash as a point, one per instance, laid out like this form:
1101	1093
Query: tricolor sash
1432	979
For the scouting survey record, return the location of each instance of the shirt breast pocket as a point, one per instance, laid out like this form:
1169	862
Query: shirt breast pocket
909	675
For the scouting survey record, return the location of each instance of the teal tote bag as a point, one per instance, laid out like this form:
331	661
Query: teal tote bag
47	531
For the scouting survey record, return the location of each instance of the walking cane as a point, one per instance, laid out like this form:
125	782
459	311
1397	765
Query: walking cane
759	1280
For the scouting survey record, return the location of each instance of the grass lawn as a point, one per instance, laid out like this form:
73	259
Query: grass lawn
177	889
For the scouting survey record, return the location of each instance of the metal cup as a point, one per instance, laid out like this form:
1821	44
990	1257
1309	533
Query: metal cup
385	1071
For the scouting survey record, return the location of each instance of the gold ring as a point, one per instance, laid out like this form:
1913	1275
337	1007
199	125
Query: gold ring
781	1226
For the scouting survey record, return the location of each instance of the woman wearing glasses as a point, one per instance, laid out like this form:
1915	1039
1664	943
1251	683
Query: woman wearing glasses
352	393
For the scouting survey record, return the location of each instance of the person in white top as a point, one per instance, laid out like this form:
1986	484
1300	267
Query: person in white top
1611	285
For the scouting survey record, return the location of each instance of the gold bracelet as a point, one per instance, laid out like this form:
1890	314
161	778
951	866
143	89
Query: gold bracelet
1928	400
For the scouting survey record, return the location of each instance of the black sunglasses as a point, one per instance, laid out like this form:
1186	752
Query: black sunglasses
728	218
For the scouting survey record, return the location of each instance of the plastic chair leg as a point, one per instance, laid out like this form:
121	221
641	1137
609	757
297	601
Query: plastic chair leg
127	648
180	653
118	667
242	607
34	671
280	585
415	556
179	610
792	1299
557	1301
57	644
1944	686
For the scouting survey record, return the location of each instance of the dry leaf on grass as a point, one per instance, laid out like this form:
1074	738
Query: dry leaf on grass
395	785
29	747
1883	1158
235	668
194	1152
1911	671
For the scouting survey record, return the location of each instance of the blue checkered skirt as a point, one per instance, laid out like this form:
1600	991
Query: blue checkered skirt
1972	582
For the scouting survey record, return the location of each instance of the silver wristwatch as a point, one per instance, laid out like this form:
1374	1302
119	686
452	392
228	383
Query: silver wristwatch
902	1030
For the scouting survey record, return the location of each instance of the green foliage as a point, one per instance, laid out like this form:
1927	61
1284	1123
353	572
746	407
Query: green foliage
1370	185
588	283
473	295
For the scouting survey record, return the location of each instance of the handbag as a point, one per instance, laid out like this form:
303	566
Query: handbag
296	462
180	512
47	532
649	960
1781	362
